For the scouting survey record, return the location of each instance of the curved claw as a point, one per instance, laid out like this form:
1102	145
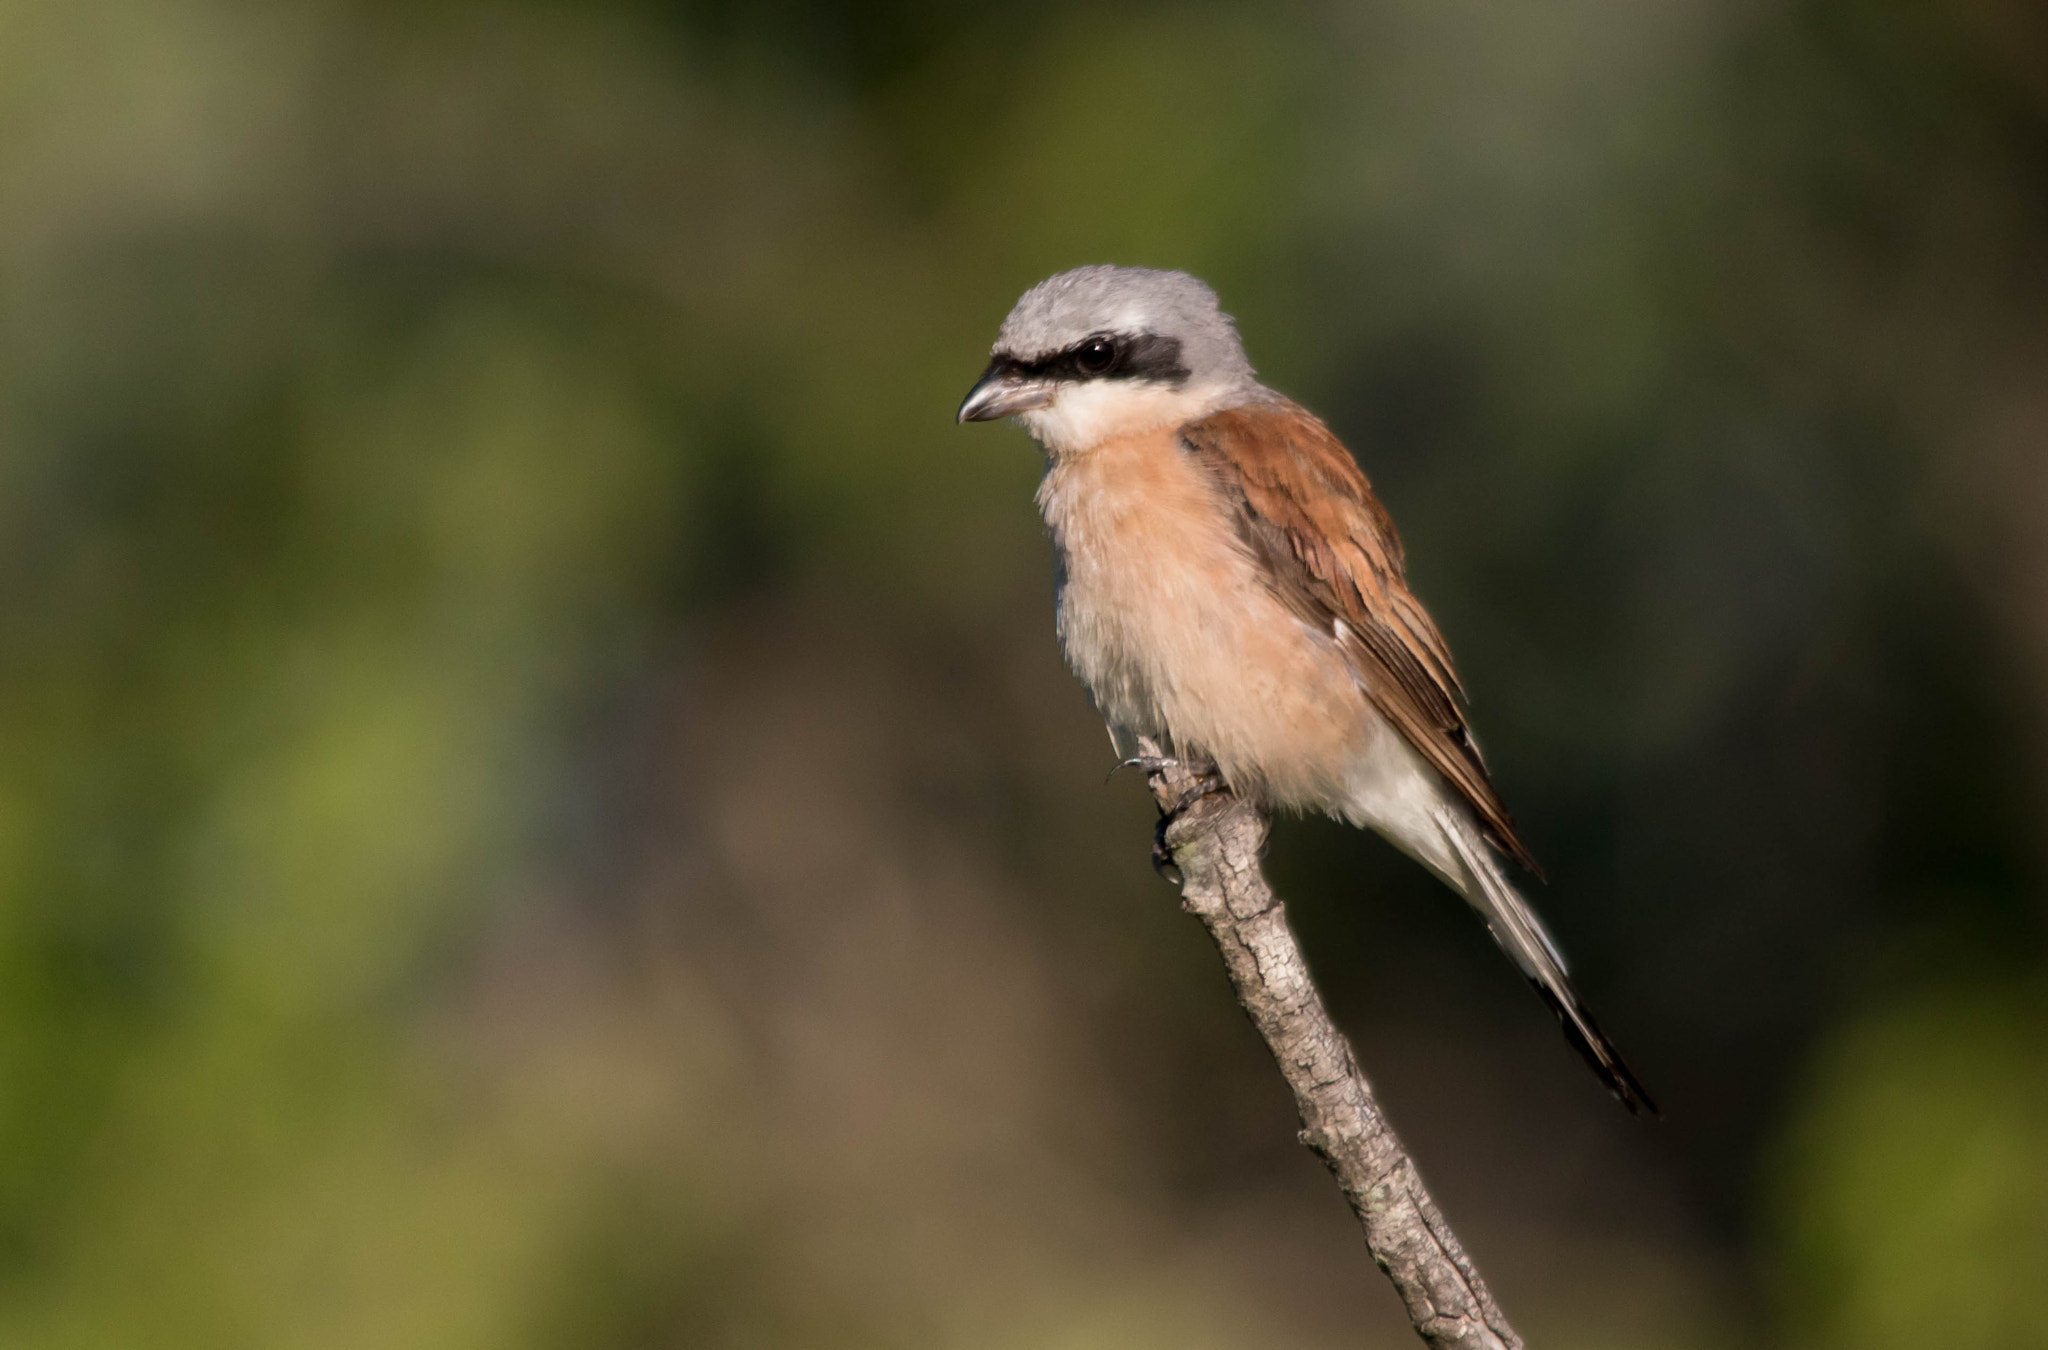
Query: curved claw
1149	763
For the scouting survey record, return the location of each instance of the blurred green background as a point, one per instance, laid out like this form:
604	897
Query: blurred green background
539	806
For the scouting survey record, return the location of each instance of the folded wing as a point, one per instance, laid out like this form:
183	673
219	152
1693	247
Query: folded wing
1308	515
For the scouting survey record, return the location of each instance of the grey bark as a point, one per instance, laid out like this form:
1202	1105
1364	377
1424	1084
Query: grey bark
1215	845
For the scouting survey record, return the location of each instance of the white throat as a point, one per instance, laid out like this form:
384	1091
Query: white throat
1083	416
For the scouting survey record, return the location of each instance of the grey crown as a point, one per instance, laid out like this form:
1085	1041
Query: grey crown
1062	310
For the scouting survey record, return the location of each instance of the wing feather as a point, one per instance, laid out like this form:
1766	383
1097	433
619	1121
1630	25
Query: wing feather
1307	513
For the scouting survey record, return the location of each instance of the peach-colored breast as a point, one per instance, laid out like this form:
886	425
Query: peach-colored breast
1163	614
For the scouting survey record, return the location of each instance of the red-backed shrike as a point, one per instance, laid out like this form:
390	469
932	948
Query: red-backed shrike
1230	587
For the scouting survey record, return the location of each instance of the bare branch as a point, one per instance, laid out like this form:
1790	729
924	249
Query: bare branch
1215	845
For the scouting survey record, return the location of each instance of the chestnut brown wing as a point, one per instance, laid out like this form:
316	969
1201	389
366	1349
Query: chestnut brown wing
1308	515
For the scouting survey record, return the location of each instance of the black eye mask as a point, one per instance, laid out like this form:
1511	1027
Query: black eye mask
1104	356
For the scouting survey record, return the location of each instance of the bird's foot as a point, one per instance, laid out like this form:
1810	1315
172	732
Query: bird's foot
1207	784
1145	764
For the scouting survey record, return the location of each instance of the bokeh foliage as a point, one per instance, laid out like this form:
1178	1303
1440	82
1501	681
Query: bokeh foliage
538	809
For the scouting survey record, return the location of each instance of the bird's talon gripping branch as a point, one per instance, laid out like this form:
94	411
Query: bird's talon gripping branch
1207	785
1146	764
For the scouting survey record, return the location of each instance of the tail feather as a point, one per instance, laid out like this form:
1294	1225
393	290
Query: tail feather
1521	934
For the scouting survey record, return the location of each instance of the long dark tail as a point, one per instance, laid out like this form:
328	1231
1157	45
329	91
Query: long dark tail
1521	934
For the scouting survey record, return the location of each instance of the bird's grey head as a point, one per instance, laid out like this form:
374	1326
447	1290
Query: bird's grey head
1089	337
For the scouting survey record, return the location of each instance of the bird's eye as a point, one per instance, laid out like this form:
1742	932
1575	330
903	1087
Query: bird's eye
1096	355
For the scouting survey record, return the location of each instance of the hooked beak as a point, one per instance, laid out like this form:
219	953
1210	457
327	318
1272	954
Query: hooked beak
1003	392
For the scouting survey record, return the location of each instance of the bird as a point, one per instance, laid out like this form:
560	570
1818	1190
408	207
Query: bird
1229	585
